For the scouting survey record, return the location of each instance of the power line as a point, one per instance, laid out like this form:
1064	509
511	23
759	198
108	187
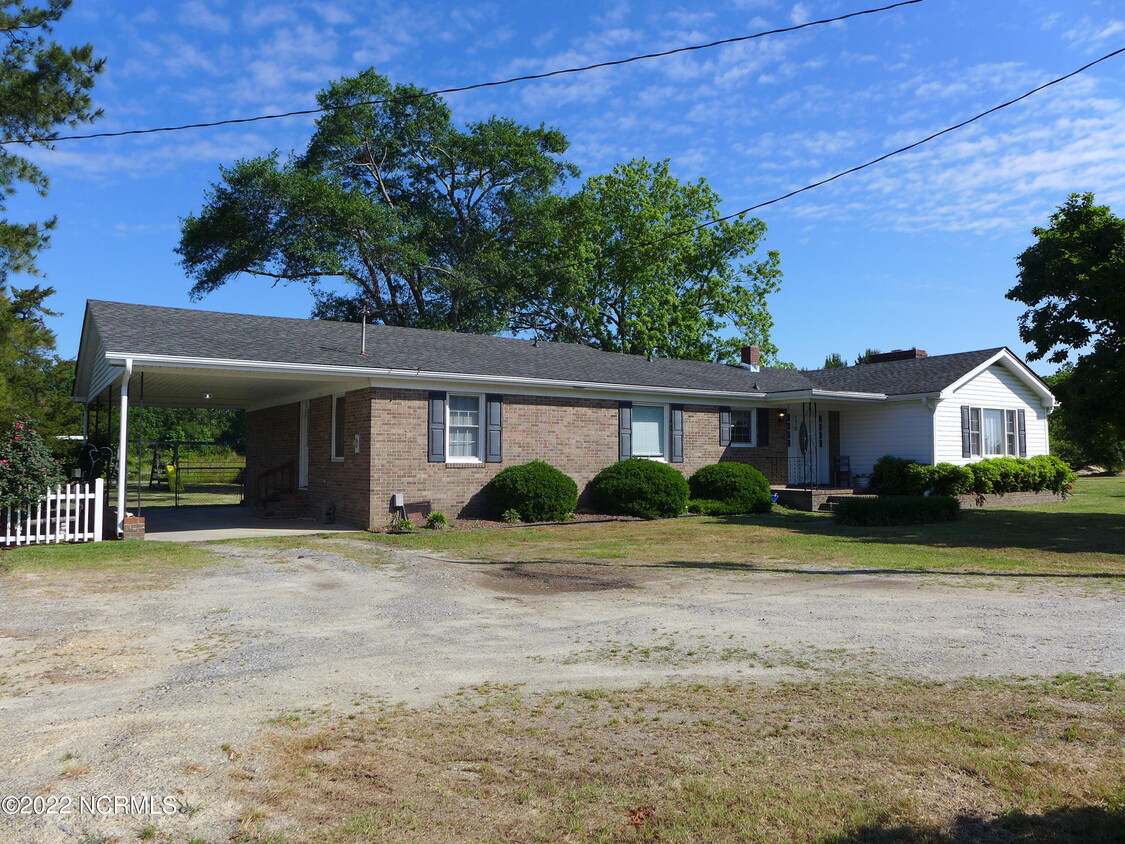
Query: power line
463	88
855	169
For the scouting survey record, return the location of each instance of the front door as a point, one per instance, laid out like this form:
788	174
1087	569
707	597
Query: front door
808	445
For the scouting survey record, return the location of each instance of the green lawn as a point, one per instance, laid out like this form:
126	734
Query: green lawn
106	557
1083	536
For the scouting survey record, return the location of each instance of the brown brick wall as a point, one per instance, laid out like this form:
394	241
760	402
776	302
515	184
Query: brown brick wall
273	437
577	436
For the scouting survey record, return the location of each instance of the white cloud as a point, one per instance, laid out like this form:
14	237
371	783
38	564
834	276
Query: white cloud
196	14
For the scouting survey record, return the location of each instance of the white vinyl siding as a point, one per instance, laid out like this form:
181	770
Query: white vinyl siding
869	431
464	426
649	427
996	388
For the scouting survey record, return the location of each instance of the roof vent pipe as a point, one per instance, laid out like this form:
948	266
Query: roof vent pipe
363	333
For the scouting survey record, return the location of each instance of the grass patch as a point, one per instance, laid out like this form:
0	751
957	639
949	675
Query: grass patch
109	557
818	761
1083	536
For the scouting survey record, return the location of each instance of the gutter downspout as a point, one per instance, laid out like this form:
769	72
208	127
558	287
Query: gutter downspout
123	448
930	403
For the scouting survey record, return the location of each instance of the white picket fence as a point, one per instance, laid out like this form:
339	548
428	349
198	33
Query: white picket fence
71	513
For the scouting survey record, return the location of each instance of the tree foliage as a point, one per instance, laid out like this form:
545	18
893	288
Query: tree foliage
35	383
1077	436
421	217
468	229
1073	280
631	268
866	356
834	361
43	86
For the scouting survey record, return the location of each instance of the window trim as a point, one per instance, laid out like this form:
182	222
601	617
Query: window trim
481	428
1008	438
338	445
665	431
753	412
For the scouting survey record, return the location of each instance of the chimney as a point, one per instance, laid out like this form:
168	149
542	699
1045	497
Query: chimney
751	355
898	354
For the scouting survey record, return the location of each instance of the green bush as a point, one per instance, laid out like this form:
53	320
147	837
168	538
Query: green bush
897	510
27	468
436	520
1050	473
889	475
737	487
537	491
994	476
638	487
942	479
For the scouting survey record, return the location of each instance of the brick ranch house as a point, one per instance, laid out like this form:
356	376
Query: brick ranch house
358	419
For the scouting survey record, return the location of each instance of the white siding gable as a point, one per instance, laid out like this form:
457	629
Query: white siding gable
995	387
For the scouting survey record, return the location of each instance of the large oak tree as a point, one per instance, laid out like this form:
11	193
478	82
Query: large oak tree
421	217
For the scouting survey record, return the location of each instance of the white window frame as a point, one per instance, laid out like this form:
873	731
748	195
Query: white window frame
982	452
337	446
735	443
481	409
665	431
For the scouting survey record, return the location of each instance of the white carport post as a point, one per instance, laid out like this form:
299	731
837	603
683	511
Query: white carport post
123	448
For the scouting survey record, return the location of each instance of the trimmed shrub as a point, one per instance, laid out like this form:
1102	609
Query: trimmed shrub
1050	473
897	510
942	479
738	488
994	476
537	491
889	475
639	487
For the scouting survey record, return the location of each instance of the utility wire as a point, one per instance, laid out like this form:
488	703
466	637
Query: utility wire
463	88
855	169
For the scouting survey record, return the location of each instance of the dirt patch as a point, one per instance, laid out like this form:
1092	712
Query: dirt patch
548	578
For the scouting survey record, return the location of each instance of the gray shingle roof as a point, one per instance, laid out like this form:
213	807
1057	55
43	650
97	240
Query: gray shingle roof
902	377
180	332
147	329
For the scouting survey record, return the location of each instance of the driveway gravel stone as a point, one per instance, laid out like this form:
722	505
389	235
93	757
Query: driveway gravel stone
160	687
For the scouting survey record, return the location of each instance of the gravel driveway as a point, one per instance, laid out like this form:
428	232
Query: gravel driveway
160	686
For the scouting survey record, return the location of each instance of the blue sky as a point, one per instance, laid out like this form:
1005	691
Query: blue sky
918	251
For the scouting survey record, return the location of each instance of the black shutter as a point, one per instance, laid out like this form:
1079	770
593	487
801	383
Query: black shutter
763	426
724	426
676	454
624	430
966	433
436	439
494	429
1021	418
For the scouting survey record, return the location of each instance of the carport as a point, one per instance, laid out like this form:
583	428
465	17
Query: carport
122	364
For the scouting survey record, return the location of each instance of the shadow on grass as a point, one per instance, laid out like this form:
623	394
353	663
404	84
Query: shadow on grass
756	568
1085	824
1054	532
